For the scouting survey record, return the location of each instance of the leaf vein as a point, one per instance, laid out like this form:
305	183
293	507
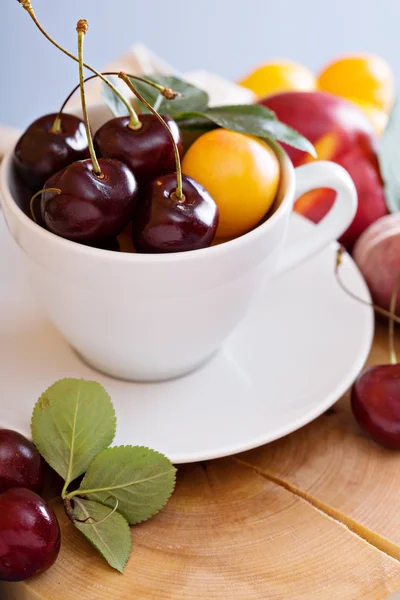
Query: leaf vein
125	486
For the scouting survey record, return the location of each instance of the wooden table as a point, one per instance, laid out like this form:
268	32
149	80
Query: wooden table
313	516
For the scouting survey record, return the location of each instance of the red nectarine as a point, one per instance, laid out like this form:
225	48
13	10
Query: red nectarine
342	133
377	254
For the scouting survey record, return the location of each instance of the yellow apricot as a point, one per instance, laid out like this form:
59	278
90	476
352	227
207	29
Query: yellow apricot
280	76
240	172
364	76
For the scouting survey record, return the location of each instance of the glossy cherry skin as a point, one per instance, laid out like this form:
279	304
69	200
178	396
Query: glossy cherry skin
163	224
375	401
148	152
20	462
40	153
90	208
29	535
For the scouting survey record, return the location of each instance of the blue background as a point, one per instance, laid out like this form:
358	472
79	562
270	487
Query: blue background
228	37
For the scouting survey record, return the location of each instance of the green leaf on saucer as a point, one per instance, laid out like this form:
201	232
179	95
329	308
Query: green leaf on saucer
112	537
389	160
251	119
142	481
72	421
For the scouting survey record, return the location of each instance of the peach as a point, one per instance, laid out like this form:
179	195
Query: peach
377	254
342	133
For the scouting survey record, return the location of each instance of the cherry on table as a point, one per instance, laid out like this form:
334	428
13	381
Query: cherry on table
375	402
29	535
148	151
20	462
375	394
43	149
164	223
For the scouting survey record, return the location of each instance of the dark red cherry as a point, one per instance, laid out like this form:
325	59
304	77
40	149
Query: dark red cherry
375	401
20	462
40	152
148	152
29	535
161	223
90	207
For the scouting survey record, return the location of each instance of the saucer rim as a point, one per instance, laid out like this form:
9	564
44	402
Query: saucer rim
318	408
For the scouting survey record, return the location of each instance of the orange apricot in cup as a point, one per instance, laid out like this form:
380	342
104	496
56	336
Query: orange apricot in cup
240	172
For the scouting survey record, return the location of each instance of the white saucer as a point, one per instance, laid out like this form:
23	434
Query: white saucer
296	353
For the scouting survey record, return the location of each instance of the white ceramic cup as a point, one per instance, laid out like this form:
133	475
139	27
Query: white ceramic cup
153	317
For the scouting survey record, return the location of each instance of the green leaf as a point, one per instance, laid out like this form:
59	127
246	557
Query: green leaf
192	98
142	481
251	119
72	421
112	538
111	100
389	160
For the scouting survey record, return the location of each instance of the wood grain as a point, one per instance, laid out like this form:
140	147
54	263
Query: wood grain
230	532
334	462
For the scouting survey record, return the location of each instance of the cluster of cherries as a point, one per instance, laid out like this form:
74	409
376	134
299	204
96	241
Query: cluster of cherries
136	179
29	531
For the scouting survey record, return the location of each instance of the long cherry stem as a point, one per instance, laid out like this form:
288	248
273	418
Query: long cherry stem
178	194
168	93
393	301
378	309
134	119
82	28
39	193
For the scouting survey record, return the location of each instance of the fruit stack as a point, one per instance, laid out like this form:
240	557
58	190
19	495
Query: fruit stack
174	174
155	174
350	102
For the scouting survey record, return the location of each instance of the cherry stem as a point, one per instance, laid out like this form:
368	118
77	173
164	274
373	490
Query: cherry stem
178	194
93	521
31	203
385	313
134	119
393	301
56	127
69	511
82	28
166	92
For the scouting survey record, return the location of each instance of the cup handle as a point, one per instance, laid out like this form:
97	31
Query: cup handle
312	176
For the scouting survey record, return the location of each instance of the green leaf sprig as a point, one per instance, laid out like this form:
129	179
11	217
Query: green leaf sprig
192	112
73	425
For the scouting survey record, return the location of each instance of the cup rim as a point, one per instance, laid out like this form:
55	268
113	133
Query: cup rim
8	201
